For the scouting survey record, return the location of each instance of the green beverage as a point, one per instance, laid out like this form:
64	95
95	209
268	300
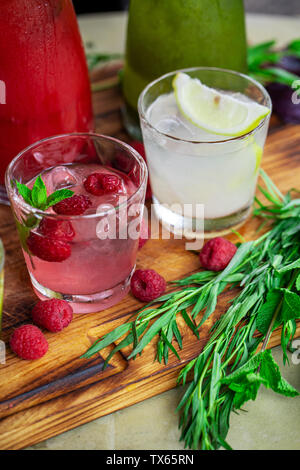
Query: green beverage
166	35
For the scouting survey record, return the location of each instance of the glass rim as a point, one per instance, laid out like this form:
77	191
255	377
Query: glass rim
2	260
33	210
258	85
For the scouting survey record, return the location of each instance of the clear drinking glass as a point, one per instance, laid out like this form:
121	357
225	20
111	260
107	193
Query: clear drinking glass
189	167
100	246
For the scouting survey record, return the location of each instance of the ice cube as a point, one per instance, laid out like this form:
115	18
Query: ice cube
175	126
62	177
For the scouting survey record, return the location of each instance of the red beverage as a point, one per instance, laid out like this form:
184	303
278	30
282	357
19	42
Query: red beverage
83	248
95	262
44	84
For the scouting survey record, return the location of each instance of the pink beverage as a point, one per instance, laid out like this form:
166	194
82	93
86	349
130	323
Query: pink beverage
44	83
82	249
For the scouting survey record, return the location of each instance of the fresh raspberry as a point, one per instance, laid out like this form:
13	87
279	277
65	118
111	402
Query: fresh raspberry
139	147
217	253
58	229
144	233
48	249
102	183
74	205
147	284
53	314
28	342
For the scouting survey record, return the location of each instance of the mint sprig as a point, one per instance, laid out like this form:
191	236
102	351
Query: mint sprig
261	369
37	196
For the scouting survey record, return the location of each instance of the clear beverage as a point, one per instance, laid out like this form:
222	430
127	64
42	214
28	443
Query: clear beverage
100	260
188	166
44	82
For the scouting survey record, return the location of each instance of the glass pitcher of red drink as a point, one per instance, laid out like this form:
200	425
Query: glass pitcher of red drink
44	84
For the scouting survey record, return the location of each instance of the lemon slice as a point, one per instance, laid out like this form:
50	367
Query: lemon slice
215	112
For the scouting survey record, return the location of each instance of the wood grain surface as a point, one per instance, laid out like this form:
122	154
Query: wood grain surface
43	398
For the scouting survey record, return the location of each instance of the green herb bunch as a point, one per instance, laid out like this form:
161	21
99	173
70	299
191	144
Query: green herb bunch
229	370
263	61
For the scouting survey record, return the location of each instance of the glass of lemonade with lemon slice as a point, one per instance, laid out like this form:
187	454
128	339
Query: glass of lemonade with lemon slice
204	130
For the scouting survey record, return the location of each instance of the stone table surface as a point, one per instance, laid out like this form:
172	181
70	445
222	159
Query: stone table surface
272	421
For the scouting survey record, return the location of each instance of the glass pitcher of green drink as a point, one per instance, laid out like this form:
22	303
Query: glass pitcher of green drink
166	35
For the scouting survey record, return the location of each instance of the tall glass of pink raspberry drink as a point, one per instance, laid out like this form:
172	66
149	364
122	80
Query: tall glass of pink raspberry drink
44	83
78	203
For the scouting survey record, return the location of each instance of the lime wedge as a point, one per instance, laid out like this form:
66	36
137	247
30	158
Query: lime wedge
215	112
258	151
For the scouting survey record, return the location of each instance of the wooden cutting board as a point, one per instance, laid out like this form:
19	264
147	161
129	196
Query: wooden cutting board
43	398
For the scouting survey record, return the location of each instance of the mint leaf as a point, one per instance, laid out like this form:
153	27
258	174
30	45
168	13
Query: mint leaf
25	192
261	369
58	196
267	310
37	197
250	366
298	283
270	372
246	389
291	306
39	193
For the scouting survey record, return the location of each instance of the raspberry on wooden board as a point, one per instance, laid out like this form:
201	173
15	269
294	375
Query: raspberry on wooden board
217	254
147	284
53	314
28	342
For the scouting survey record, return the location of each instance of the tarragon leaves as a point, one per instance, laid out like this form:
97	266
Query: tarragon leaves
37	196
228	371
268	298
199	297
